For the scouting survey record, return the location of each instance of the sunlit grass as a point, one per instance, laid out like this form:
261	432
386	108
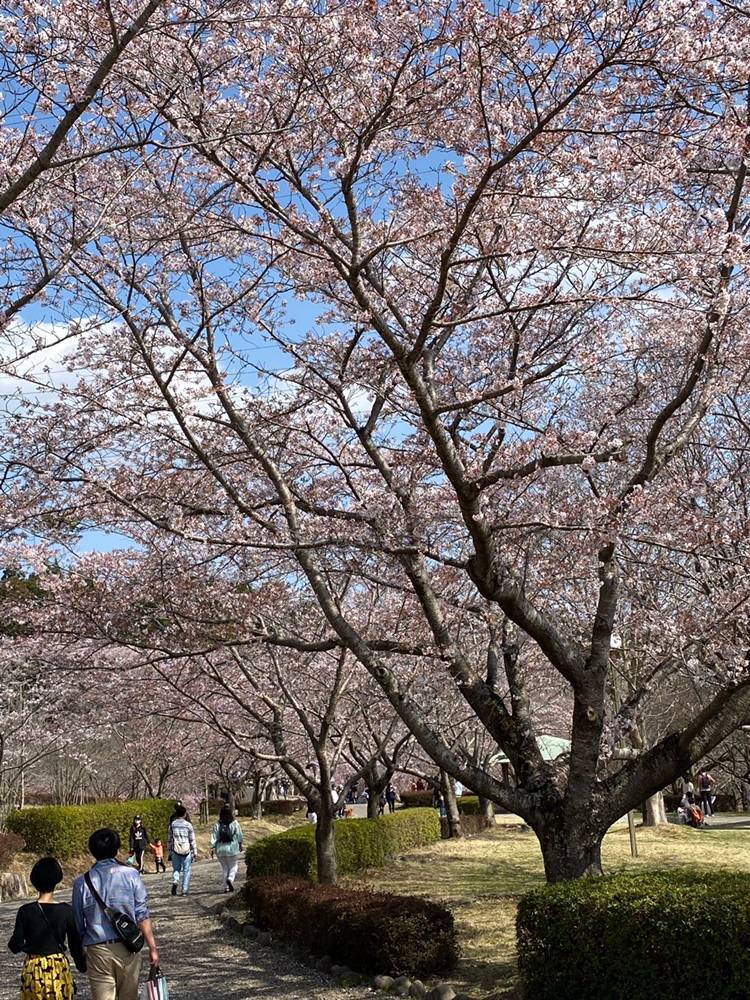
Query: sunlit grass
482	878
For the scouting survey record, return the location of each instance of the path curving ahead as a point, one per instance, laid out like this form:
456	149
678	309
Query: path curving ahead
199	957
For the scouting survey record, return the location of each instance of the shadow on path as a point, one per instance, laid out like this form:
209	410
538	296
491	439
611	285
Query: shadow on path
199	956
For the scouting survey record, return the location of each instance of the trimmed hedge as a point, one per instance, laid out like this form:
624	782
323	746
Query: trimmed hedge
636	937
371	932
360	843
283	807
413	800
64	830
471	825
467	804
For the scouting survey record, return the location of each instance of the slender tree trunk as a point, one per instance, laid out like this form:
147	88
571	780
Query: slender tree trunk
655	813
487	810
451	806
325	844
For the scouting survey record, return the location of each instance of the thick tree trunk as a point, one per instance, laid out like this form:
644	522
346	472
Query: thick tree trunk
372	804
655	813
325	845
451	806
487	810
570	854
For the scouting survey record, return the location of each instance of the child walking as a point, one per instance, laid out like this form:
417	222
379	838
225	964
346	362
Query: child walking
158	851
41	931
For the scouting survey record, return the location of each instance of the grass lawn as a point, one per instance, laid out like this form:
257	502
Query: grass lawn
481	879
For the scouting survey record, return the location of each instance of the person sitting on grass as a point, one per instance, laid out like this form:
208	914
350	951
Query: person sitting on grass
41	930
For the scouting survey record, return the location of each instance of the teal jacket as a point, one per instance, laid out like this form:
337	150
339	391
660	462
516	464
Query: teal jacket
233	847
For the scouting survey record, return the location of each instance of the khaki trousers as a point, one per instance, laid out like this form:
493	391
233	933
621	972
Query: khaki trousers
113	972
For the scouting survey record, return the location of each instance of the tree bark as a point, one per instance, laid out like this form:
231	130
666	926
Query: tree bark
372	804
487	810
325	845
655	813
570	853
451	806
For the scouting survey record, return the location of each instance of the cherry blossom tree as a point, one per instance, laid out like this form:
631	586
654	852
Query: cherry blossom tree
517	239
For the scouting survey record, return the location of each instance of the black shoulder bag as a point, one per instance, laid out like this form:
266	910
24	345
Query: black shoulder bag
125	927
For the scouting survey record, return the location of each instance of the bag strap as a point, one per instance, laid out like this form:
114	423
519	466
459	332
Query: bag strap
54	930
107	909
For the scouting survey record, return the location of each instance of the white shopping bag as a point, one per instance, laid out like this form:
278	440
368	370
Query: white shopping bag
155	987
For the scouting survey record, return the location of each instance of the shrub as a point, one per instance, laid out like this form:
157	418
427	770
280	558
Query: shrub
416	799
10	845
370	932
64	830
360	843
635	937
471	825
468	805
283	807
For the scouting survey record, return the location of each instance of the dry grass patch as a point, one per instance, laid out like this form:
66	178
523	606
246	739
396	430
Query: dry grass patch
482	879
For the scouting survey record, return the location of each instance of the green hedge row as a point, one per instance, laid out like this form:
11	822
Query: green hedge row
370	932
360	843
467	804
64	830
636	937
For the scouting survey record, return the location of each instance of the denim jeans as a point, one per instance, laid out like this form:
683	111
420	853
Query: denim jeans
181	865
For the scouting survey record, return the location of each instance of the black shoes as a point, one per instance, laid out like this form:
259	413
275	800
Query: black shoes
174	888
230	887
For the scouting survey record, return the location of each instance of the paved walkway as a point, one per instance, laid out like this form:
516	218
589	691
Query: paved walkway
199	957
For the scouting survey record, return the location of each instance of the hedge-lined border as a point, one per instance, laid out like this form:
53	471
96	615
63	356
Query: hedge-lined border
371	932
636	937
63	831
360	843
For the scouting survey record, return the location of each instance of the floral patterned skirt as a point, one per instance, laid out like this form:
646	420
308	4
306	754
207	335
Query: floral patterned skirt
47	977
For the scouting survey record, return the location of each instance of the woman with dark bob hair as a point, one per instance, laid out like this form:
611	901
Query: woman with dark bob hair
41	931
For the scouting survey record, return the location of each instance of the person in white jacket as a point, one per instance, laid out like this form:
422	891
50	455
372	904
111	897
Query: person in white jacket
227	843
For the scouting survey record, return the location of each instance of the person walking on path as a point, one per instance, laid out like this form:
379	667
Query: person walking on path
138	842
390	794
182	850
705	787
41	929
113	970
158	850
227	843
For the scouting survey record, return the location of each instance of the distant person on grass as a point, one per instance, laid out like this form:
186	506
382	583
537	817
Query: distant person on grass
41	931
113	970
390	795
227	843
688	789
705	787
182	850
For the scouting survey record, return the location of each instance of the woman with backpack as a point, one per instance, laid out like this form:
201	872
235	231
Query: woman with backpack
227	843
